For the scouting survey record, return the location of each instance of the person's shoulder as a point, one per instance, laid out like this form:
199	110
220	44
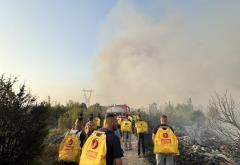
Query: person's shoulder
171	128
157	126
73	131
111	135
166	125
102	130
105	130
155	129
81	133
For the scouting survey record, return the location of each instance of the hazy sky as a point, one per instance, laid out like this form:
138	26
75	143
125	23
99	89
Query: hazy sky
51	44
133	52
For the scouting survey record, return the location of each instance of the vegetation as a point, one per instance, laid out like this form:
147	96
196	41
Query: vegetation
224	116
55	112
66	116
73	111
178	116
23	124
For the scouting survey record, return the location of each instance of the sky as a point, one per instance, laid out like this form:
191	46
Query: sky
133	52
51	44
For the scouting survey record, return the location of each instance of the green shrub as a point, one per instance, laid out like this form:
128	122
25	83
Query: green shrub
23	124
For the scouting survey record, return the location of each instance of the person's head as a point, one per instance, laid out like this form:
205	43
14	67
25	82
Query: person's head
111	121
163	119
80	114
139	117
90	117
78	124
99	115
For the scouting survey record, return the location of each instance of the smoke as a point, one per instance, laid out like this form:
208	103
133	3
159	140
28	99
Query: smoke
168	56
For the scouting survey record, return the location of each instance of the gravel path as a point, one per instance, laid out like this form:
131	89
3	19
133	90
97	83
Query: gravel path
131	157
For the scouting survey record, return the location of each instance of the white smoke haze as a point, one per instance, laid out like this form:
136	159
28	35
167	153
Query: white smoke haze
173	57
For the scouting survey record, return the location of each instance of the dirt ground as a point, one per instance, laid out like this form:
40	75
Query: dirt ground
131	157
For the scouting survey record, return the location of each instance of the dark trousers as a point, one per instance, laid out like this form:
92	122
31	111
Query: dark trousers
141	143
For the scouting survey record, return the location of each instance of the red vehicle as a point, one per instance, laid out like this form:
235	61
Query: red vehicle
119	109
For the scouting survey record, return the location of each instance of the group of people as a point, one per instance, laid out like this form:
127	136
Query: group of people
86	131
98	141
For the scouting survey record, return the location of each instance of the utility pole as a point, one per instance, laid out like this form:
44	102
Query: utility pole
87	94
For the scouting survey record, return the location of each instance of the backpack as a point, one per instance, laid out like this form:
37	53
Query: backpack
69	149
165	142
94	150
141	126
126	126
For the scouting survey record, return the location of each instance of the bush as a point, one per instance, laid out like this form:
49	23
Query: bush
23	124
67	120
50	155
55	112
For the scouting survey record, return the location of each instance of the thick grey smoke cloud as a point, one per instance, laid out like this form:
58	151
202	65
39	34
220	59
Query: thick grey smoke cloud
172	57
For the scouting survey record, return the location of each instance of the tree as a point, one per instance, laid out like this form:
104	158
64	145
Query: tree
225	116
83	106
179	115
55	112
96	109
198	118
73	111
23	124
